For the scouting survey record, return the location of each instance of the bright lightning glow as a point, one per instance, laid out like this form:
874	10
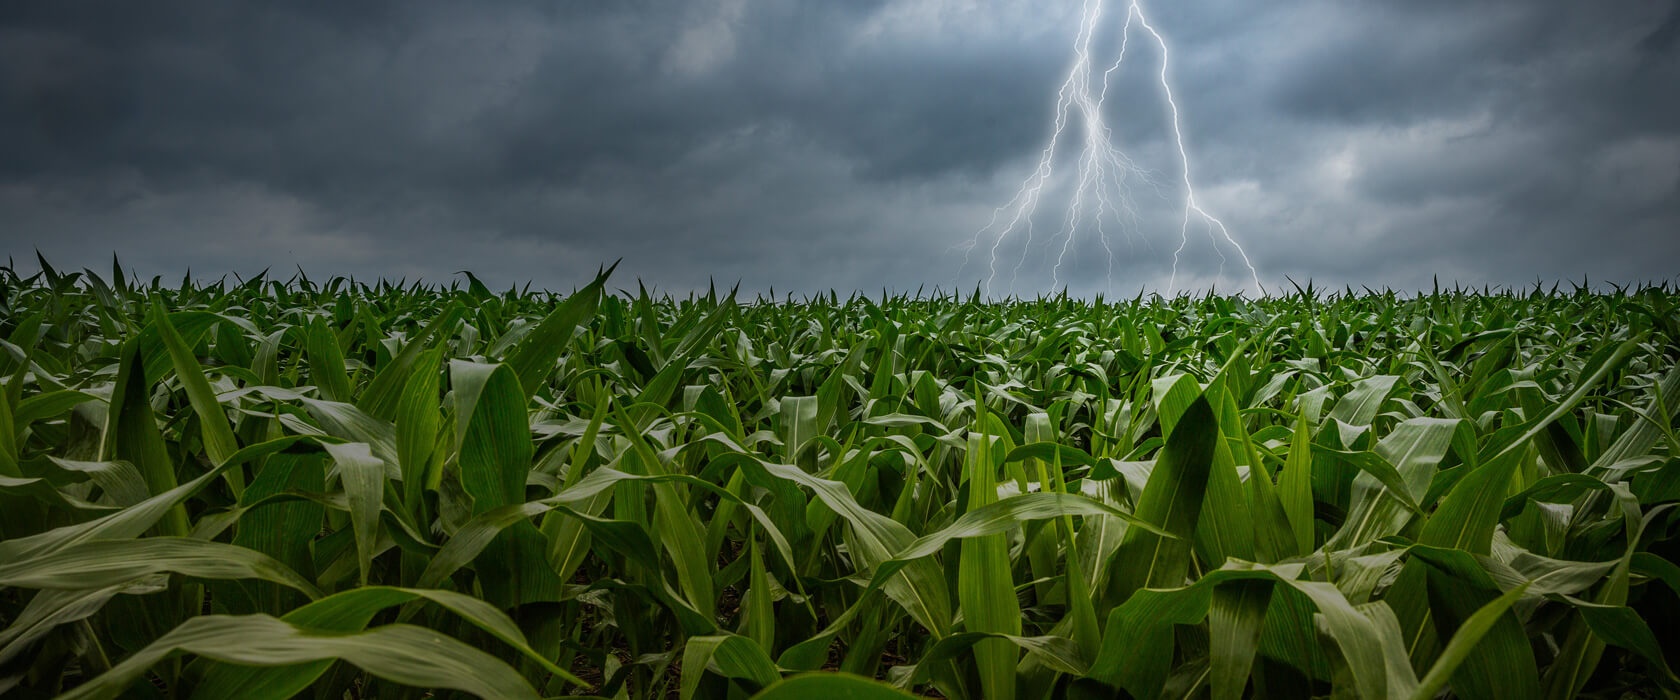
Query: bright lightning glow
1103	172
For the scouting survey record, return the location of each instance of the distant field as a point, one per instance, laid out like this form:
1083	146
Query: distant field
274	487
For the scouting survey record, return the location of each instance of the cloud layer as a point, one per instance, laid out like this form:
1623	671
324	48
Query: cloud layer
846	145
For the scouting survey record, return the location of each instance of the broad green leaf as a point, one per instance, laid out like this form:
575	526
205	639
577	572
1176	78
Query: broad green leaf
984	587
840	686
131	435
351	611
417	428
402	653
326	362
101	563
494	461
1295	487
1463	643
533	360
1362	402
733	656
1386	496
387	391
363	477
1234	617
212	420
1171	501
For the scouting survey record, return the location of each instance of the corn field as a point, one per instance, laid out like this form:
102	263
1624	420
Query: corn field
270	488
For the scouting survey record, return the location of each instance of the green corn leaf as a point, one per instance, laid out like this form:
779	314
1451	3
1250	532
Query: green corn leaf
1172	501
401	653
733	656
984	587
351	611
326	362
533	360
1295	487
101	563
1234	617
1463	644
830	685
363	477
212	420
131	435
494	461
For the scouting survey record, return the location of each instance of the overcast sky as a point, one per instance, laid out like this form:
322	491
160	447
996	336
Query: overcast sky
814	144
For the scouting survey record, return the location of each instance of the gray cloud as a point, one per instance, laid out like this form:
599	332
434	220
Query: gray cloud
815	145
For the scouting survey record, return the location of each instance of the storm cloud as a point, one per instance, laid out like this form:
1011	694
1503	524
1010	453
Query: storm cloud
818	145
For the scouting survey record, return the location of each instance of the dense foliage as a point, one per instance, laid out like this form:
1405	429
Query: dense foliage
262	488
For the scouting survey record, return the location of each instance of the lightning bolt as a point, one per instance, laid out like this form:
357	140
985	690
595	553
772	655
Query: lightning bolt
1103	173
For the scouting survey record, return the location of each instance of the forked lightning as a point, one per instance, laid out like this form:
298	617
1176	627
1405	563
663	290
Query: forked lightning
1104	171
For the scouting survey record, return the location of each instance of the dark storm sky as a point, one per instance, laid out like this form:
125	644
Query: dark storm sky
811	144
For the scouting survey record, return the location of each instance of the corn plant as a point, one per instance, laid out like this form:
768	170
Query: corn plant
267	488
